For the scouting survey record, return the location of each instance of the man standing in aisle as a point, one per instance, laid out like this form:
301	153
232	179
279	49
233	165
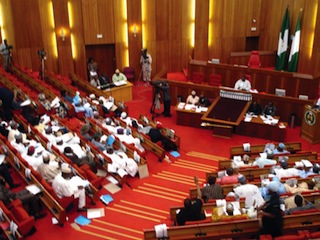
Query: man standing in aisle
145	61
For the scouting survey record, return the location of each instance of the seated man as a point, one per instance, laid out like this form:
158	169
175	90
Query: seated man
283	171
281	188
281	149
237	162
192	98
48	170
230	177
269	109
80	161
243	84
67	185
212	190
191	211
118	77
301	203
250	192
265	159
32	201
231	213
255	108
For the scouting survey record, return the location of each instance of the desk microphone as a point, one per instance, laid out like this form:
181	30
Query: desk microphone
236	229
200	233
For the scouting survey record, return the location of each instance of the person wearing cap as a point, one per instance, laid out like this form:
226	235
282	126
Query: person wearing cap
31	157
264	189
265	159
84	131
67	185
250	192
280	149
118	77
191	211
18	144
241	163
212	190
271	213
49	170
145	61
80	107
120	160
243	84
193	98
45	103
283	171
13	130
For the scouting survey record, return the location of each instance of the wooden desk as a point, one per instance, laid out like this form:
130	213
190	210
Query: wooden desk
121	93
257	128
189	118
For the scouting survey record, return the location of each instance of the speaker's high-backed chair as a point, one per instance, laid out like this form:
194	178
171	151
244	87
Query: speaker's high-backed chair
215	80
254	60
197	77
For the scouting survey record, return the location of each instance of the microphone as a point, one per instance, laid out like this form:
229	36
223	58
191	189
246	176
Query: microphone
200	233
236	229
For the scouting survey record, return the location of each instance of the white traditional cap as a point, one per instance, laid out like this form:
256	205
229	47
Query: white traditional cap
123	115
66	170
92	96
25	103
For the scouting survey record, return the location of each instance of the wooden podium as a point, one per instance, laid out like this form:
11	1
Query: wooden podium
310	128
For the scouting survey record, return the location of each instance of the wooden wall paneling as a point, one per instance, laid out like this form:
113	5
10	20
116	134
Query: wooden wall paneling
308	19
315	60
201	30
270	24
176	56
253	18
215	28
49	39
61	19
90	21
77	31
106	19
149	34
135	43
8	26
162	34
26	35
120	33
186	48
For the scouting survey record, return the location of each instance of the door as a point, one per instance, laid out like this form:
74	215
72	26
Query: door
104	56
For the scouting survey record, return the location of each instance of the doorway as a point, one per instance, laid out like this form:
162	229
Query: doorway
104	56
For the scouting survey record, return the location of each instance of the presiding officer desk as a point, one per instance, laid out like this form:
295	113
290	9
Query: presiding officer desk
265	81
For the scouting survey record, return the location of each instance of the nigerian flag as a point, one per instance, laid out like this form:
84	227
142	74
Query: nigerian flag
283	42
294	52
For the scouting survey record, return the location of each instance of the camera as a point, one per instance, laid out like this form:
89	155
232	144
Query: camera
42	54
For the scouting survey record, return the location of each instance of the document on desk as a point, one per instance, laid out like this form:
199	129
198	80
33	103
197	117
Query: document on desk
120	83
181	105
269	120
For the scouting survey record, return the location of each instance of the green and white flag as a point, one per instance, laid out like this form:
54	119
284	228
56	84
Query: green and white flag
294	52
283	42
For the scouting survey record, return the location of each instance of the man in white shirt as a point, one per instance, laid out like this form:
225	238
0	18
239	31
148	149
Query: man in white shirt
193	98
243	84
250	192
66	185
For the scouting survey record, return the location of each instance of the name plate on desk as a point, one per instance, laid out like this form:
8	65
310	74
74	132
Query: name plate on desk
236	95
